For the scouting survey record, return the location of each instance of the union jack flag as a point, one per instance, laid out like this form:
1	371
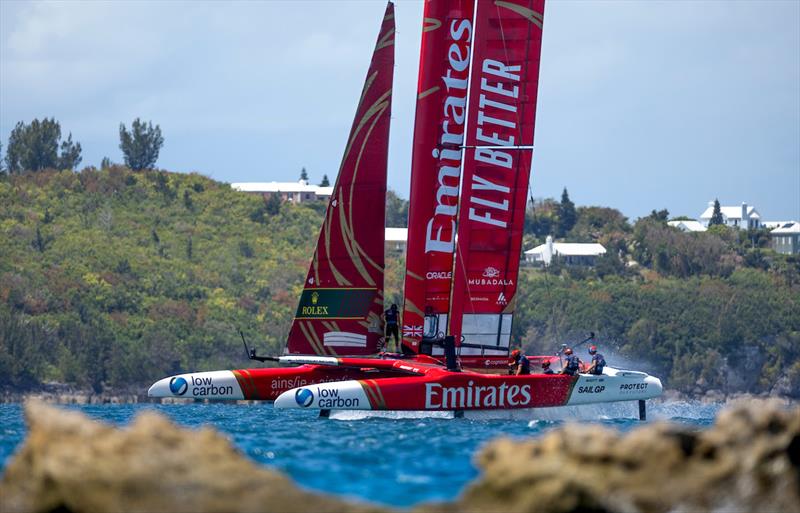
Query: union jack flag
412	331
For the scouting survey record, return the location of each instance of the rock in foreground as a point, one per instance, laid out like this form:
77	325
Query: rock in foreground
748	461
71	463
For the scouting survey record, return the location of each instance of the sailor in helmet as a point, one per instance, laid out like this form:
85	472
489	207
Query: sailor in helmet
518	363
572	364
546	367
598	362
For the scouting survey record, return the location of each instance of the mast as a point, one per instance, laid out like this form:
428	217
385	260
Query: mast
502	112
342	300
435	168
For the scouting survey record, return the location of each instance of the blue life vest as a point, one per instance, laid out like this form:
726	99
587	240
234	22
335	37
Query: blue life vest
526	364
599	362
573	364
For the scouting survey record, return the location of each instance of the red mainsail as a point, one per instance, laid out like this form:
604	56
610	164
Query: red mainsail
342	300
502	111
435	169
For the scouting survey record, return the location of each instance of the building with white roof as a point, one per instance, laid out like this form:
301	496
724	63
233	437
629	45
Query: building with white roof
786	238
396	239
571	253
688	226
295	192
744	217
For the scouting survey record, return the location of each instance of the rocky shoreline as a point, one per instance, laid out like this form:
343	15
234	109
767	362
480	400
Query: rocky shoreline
749	460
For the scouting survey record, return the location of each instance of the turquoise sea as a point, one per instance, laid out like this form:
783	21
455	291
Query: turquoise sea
395	461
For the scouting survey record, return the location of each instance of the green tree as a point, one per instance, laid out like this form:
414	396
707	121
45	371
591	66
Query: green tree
659	215
2	161
304	174
140	146
566	214
396	210
325	182
272	205
35	147
716	216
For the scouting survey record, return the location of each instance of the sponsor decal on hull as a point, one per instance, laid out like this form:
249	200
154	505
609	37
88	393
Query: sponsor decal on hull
474	396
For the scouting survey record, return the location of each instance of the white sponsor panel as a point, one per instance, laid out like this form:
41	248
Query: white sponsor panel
199	385
614	385
341	395
344	339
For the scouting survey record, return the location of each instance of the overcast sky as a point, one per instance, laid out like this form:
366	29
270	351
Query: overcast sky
642	105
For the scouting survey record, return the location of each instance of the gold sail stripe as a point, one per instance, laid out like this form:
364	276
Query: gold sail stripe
429	24
413	308
386	40
378	393
534	17
383	108
388	17
413	275
347	242
328	326
367	85
340	279
310	340
430	91
319	342
354	248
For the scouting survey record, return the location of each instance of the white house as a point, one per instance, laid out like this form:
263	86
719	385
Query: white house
786	238
744	217
571	253
688	226
396	239
296	192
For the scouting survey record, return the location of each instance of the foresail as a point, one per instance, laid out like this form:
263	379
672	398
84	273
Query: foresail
342	300
502	111
435	169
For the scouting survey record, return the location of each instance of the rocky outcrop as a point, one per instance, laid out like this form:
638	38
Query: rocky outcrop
71	463
748	461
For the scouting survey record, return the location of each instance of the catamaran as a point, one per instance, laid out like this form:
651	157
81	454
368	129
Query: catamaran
476	109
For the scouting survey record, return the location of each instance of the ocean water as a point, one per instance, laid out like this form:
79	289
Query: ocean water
393	459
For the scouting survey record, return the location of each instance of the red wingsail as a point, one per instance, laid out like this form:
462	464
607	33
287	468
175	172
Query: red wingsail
342	300
502	111
435	169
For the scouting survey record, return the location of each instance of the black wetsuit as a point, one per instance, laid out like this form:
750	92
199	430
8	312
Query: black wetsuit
391	325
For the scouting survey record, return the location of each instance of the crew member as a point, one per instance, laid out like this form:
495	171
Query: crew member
598	362
518	363
572	364
391	316
546	367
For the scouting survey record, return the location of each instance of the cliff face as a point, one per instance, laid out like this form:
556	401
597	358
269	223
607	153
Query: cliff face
71	463
748	461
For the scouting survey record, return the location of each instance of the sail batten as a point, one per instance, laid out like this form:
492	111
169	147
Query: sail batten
341	303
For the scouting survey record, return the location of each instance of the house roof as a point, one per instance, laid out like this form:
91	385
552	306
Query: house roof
787	228
299	186
731	212
570	249
688	226
396	234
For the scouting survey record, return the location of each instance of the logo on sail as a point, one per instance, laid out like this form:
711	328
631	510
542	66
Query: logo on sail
501	299
491	272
